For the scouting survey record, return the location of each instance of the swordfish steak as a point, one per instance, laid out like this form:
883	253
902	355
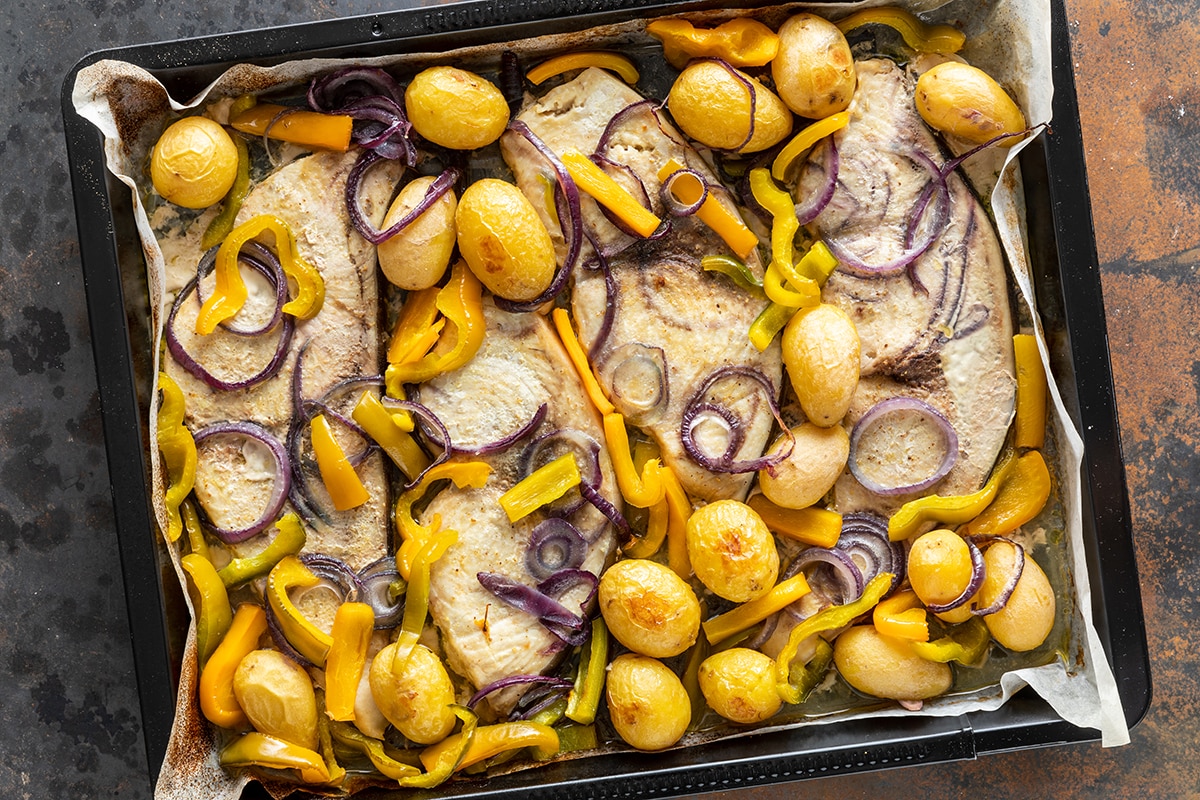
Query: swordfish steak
673	325
520	367
939	330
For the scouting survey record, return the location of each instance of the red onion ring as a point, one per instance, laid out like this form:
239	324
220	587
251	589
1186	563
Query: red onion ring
726	464
283	479
264	262
652	357
1010	585
554	545
972	585
850	579
376	579
518	680
673	205
891	405
815	203
331	91
864	538
336	573
442	184
551	445
601	504
507	441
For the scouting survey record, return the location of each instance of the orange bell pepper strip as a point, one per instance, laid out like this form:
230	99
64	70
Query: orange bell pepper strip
902	616
345	488
353	625
614	62
639	490
1031	393
309	640
217	701
724	222
1021	497
411	338
738	619
213	612
544	485
610	194
296	125
461	302
741	41
259	749
944	39
805	139
562	324
819	527
414	535
490	741
385	429
178	449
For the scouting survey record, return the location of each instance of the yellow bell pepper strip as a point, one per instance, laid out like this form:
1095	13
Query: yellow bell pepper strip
955	509
544	485
325	742
350	736
1031	393
353	625
656	532
966	644
566	333
345	488
923	38
385	429
584	699
824	620
288	541
817	526
309	640
782	283
733	269
195	531
489	741
809	676
229	294
296	125
416	598
818	263
748	614
741	41
412	327
769	322
213	612
217	701
222	223
610	194
1022	496
640	491
572	737
902	616
805	139
413	534
614	62
461	302
782	291
256	749
724	222
178	449
680	509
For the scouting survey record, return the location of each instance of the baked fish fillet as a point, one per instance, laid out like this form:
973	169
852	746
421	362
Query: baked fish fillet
939	331
234	480
520	367
674	325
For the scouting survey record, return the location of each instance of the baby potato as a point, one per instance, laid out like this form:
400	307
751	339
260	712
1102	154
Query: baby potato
711	104
647	703
884	666
649	608
814	70
193	163
821	352
939	569
277	696
964	101
1028	616
417	256
803	478
417	701
739	684
732	550
504	241
455	108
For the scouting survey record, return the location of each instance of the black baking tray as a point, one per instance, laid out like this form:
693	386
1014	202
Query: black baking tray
1067	282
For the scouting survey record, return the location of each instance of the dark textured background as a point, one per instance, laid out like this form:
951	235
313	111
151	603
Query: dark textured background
69	720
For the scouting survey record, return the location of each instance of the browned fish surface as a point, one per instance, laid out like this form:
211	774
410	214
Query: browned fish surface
673	325
520	367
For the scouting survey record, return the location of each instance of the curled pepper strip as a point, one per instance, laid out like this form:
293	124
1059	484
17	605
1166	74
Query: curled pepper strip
288	541
955	509
256	749
385	428
769	323
944	39
461	302
195	532
309	640
353	625
345	488
414	534
1021	497
733	269
416	598
902	616
782	283
179	453
805	139
411	338
1031	393
741	41
679	507
488	741
614	62
738	619
346	734
825	620
965	644
213	612
584	699
229	294
641	491
222	223
217	701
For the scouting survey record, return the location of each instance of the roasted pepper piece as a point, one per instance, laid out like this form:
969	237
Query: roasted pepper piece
353	625
817	526
384	428
584	699
461	302
769	323
656	532
572	737
373	749
448	758
411	338
345	488
641	491
738	619
229	294
325	742
289	541
742	42
955	509
298	126
178	449
805	139
733	269
902	616
544	485
713	213
809	676
309	640
1021	497
1031	393
566	333
217	701
825	620
195	531
415	535
222	223
488	741
966	644
256	749
782	282
691	677
614	62
610	194
923	38
213	612
416	598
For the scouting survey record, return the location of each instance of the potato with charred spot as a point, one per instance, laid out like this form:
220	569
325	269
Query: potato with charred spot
647	702
649	608
814	70
732	550
964	101
504	241
415	696
739	684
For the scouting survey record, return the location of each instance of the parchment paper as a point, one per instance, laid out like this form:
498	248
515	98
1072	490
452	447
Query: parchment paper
1010	39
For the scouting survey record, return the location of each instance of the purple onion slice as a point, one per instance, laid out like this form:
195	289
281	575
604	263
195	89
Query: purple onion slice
518	680
908	405
864	538
442	184
377	579
335	574
972	585
1011	584
847	574
674	206
554	545
331	91
815	203
698	406
525	429
567	626
282	475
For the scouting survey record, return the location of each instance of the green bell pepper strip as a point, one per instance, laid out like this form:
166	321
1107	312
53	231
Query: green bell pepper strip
214	615
445	757
222	223
584	699
808	676
734	269
336	772
288	542
768	324
178	450
416	601
955	509
456	752
256	749
965	644
346	734
691	680
825	620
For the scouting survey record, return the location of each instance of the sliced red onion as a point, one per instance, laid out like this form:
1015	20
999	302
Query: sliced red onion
849	577
335	574
697	406
428	422
674	206
442	184
610	301
864	538
815	203
954	163
512	81
1010	585
622	116
518	680
638	377
507	441
281	641
554	545
601	504
381	126
972	585
894	405
283	476
264	262
376	579
549	446
537	700
331	91
556	618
